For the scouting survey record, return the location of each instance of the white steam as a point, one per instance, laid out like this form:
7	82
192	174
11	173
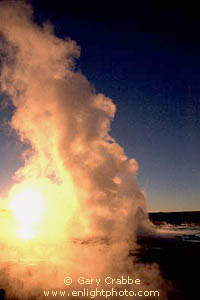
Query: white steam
88	181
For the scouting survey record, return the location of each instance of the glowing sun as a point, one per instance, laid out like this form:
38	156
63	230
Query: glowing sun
27	207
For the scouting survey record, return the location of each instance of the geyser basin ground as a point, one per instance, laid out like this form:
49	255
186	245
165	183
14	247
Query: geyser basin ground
28	279
175	252
178	261
176	258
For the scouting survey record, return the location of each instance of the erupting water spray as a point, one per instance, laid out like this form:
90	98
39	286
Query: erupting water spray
76	199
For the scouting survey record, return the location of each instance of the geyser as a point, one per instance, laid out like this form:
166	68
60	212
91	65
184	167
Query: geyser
88	224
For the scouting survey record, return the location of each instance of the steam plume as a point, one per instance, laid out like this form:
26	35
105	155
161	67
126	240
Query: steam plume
87	180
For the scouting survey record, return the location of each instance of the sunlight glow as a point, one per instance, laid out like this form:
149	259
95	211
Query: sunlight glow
27	233
27	207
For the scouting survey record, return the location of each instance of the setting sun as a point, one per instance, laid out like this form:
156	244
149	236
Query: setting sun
27	207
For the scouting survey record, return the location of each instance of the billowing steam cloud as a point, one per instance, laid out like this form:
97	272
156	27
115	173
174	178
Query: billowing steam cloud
88	183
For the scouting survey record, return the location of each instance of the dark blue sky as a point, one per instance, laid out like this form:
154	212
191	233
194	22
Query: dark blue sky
147	59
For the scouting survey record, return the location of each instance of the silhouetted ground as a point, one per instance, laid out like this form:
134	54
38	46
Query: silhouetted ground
176	218
2	294
178	258
179	262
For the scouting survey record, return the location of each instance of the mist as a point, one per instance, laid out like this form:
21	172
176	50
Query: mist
93	205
